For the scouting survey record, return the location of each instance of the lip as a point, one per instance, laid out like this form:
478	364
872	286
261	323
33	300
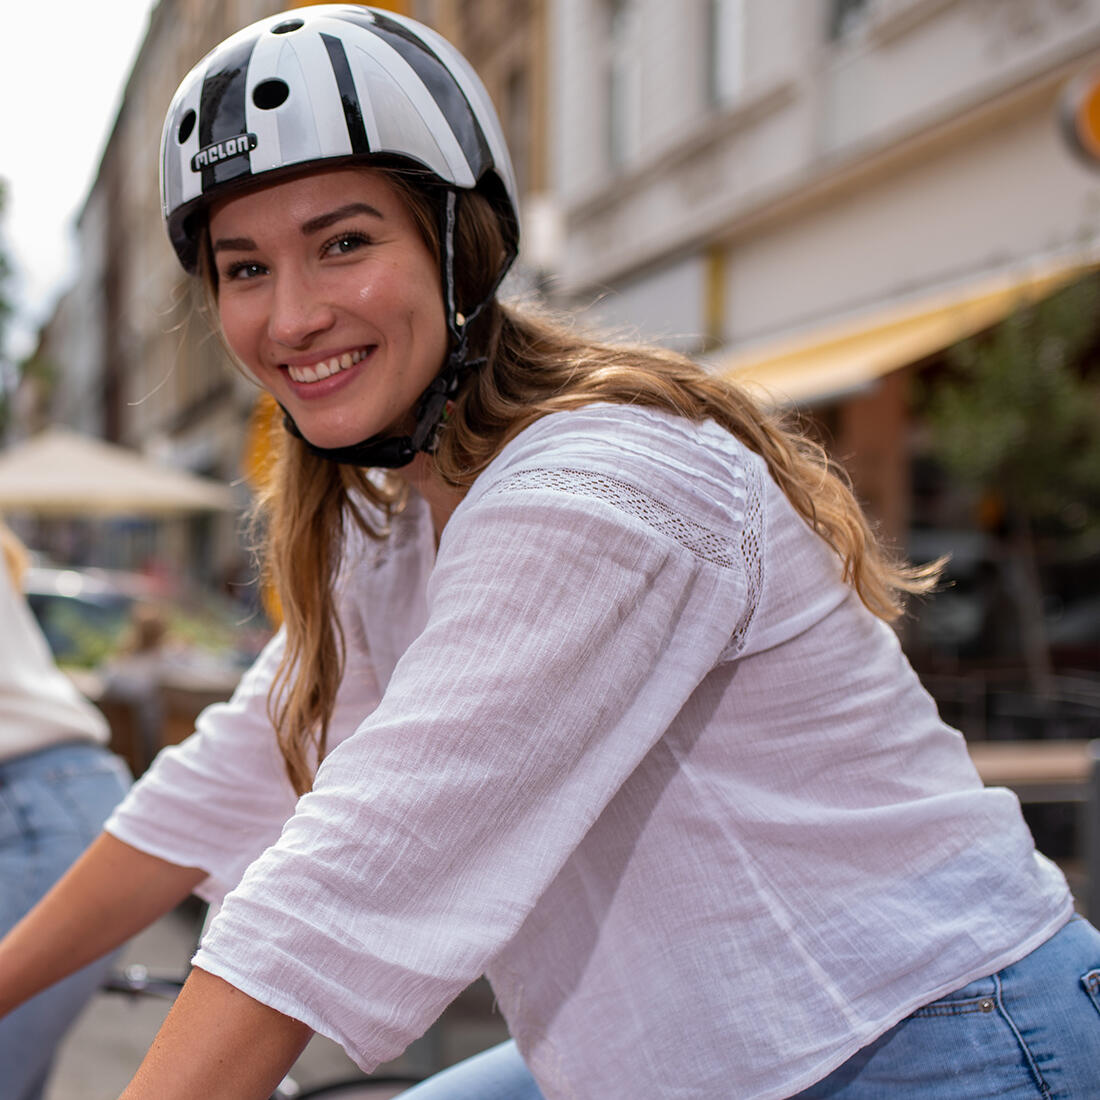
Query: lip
341	367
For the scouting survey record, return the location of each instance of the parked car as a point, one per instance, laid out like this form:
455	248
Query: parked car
83	612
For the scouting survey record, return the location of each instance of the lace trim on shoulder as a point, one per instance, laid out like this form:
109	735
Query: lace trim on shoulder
702	542
745	553
751	551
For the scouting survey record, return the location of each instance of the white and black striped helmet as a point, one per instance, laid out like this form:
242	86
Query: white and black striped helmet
331	83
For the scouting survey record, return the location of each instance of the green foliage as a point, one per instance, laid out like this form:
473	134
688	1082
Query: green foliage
1019	413
86	636
83	635
211	628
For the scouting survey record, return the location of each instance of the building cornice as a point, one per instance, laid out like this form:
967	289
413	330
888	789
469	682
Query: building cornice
751	109
1012	93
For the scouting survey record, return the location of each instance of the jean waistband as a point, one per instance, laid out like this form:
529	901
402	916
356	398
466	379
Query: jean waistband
62	754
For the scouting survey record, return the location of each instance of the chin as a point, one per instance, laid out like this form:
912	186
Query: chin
335	440
330	436
333	428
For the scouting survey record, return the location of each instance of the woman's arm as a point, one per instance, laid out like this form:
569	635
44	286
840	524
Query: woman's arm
112	892
565	632
221	797
220	1044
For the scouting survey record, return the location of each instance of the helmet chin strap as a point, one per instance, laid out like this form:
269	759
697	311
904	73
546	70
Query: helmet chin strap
393	452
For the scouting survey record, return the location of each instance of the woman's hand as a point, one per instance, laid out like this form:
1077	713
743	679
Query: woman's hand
220	1044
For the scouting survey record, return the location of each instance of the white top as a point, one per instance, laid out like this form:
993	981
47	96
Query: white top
630	747
39	705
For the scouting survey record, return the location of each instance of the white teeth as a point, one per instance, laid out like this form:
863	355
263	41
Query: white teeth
327	367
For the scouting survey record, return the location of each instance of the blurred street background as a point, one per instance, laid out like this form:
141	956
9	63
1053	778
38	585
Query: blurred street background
883	216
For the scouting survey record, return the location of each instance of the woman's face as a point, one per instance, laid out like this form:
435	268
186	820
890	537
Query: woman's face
329	295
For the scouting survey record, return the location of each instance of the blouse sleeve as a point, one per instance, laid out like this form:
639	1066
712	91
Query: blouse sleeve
220	798
571	615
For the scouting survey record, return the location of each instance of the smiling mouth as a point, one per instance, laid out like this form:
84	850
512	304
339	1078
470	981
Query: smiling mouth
327	367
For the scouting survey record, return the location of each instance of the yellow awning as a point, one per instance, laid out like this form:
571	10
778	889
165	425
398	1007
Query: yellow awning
847	356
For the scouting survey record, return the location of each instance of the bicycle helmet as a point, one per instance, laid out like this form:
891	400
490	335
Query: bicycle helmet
339	84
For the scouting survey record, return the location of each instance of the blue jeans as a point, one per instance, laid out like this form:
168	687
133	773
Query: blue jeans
495	1074
52	804
1032	1030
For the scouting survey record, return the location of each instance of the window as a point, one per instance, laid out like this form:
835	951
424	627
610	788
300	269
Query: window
623	79
725	50
845	16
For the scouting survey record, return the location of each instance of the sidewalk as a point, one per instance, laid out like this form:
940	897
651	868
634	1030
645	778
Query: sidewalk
108	1042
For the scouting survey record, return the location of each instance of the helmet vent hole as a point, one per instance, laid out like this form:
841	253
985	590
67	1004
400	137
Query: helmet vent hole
287	27
269	94
187	124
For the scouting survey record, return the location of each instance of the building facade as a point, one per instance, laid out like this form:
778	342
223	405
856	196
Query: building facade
777	185
810	195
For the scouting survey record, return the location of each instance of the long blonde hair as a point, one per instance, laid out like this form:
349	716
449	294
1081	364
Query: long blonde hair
536	365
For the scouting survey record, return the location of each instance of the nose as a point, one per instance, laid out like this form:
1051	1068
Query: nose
299	311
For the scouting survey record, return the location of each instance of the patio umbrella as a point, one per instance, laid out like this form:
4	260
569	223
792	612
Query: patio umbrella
62	473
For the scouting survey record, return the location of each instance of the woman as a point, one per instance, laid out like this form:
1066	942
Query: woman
585	682
58	783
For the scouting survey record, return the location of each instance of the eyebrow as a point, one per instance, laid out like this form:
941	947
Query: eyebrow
314	225
323	221
233	244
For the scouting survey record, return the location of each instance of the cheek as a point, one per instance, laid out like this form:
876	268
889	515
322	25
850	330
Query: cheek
236	328
428	312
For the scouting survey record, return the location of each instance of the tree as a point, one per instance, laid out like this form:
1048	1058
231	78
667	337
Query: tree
1017	418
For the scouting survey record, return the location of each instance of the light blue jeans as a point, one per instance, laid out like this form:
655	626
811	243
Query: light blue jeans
52	804
495	1074
1032	1030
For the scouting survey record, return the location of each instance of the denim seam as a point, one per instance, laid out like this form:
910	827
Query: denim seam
1044	1088
30	838
955	1008
18	811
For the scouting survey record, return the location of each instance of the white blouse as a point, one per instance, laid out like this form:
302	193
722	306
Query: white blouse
629	746
39	704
